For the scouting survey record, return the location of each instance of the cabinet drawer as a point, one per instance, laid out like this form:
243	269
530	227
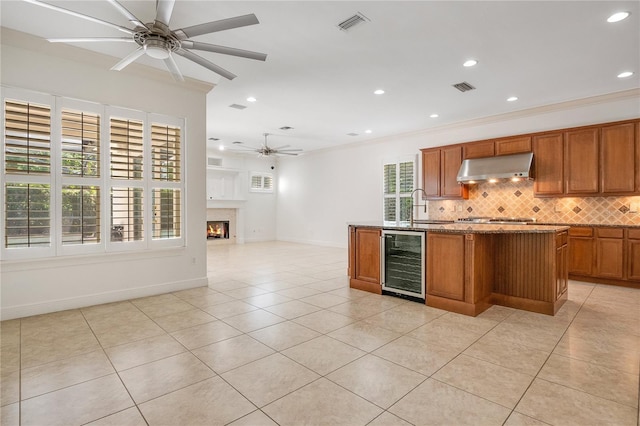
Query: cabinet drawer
579	231
634	234
610	232
561	239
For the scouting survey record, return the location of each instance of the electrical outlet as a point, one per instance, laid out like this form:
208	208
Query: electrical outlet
557	208
459	208
633	208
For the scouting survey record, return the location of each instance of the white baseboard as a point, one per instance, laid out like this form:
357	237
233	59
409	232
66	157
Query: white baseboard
21	311
312	242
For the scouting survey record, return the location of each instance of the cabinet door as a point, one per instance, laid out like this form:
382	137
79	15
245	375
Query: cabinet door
431	172
445	265
367	255
548	158
581	161
581	255
478	150
617	159
633	260
450	161
515	145
609	252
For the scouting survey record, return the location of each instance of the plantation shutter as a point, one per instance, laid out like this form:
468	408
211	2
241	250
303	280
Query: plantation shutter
126	138
165	153
27	138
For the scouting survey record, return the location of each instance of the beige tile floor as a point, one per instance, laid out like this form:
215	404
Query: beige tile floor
279	338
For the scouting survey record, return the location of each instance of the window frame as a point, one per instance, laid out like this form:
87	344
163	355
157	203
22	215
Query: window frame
104	181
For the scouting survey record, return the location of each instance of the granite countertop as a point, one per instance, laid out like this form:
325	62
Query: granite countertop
465	228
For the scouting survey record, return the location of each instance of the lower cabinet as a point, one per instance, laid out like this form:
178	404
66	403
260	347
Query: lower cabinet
562	272
608	255
364	259
445	265
633	254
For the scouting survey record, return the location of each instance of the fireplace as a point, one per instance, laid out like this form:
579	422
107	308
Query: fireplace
218	229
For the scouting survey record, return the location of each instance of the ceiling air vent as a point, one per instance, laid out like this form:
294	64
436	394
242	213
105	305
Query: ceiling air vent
352	134
286	128
464	86
237	106
352	21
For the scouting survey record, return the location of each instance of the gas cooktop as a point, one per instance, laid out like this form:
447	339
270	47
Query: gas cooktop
497	220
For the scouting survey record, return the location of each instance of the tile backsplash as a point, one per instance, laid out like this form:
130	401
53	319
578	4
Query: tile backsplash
515	199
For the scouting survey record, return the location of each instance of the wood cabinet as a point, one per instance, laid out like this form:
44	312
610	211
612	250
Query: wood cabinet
548	155
581	251
515	145
562	270
440	168
617	159
478	150
445	265
609	255
364	259
609	245
581	160
633	254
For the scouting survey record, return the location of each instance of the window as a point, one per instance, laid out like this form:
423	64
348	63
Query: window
397	183
261	182
57	199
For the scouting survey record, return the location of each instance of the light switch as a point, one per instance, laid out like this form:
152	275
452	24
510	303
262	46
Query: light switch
557	208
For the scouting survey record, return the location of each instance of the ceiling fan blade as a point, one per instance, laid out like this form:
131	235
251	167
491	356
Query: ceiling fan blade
291	150
285	153
281	147
164	9
173	68
130	16
209	65
80	15
90	39
128	59
188	44
215	26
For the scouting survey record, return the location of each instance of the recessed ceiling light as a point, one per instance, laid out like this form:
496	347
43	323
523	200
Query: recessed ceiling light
617	17
470	63
378	92
221	147
367	131
512	99
434	116
251	99
625	74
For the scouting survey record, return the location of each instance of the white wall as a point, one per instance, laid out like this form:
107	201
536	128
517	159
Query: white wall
44	285
259	209
320	192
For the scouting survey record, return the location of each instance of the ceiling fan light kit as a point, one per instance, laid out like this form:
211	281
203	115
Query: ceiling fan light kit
158	41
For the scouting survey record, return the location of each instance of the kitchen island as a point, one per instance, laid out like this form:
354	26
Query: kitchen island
470	267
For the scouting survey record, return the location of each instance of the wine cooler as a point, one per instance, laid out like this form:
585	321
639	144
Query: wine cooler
403	263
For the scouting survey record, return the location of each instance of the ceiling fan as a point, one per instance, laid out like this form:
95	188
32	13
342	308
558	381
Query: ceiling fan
265	150
158	41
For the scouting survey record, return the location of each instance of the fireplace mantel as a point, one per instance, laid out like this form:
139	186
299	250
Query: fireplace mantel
219	203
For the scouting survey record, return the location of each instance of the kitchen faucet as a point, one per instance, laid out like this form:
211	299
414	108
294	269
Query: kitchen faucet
416	205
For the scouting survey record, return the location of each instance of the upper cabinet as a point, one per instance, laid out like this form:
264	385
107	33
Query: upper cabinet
548	154
440	168
515	145
617	159
581	161
491	148
588	161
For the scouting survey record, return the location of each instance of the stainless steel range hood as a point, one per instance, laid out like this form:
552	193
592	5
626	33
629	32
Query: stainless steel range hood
514	166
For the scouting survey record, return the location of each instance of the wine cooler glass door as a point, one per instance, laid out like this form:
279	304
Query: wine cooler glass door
403	267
